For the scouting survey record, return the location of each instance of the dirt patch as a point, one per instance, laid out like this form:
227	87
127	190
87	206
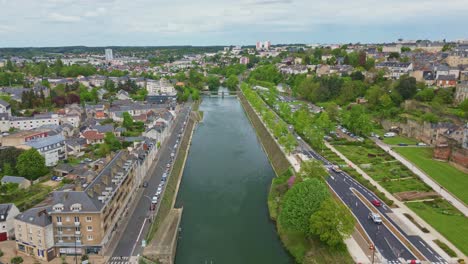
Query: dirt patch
415	195
51	183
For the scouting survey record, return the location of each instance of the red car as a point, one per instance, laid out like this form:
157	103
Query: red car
376	203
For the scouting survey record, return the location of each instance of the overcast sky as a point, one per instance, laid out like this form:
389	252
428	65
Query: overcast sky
222	22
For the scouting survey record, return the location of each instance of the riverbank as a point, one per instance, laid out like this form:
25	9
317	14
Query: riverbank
302	248
162	237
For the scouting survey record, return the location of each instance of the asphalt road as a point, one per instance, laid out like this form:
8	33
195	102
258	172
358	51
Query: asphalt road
389	246
138	226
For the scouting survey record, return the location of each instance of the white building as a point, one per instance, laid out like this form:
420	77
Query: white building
109	55
51	148
28	123
162	86
7	217
5	107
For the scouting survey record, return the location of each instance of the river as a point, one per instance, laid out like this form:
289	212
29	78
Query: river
224	192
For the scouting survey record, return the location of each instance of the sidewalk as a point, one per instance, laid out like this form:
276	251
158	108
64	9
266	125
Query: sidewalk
403	209
425	178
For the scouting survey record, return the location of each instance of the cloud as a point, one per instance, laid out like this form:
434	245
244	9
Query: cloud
95	13
56	17
5	29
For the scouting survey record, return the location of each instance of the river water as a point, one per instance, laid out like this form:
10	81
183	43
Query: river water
224	192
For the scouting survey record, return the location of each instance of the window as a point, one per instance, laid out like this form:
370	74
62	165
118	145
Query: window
77	219
60	229
90	237
59	219
89	228
77	229
89	219
67	219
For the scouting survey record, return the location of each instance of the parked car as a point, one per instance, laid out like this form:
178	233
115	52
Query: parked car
375	218
168	165
145	184
402	144
421	144
390	134
154	200
376	203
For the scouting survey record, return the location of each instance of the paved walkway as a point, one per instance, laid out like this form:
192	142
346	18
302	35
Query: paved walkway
403	209
425	178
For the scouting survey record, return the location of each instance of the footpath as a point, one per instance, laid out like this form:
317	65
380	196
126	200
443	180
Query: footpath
457	203
401	210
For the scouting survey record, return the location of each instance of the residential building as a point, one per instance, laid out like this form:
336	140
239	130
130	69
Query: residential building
5	107
162	86
395	69
51	148
244	60
109	55
92	137
34	233
446	81
8	212
22	182
123	95
22	137
4	122
28	123
86	220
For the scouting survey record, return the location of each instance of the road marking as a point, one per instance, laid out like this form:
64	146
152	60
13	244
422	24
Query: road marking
139	234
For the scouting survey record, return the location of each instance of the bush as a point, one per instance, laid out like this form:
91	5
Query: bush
446	248
1	253
16	260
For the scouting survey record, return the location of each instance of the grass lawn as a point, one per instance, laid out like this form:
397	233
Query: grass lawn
446	219
399	139
445	174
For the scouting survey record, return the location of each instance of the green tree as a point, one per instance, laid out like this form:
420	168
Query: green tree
127	121
324	123
425	95
31	164
357	120
312	169
406	87
300	202
213	82
332	222
111	140
231	82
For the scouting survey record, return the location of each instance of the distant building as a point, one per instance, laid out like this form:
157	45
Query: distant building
263	45
5	107
22	182
461	93
159	87
109	55
244	60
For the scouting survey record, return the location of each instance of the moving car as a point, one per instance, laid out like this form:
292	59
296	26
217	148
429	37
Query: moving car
376	203
375	218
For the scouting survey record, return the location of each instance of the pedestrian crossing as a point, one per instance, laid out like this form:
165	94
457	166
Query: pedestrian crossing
123	260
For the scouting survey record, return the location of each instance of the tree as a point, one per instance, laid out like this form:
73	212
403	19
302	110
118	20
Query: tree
300	202
406	87
332	222
127	121
324	123
405	49
394	55
31	164
425	95
213	82
111	140
231	82
357	120
312	169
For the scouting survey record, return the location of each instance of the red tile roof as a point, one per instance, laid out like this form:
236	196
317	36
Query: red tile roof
93	135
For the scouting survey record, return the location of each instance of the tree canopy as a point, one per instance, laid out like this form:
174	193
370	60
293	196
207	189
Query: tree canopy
31	164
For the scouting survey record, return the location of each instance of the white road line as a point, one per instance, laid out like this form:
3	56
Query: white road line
139	234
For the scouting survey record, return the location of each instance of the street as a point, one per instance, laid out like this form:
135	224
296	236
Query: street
131	240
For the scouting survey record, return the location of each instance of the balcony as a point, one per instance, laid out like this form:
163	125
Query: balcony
77	223
77	232
59	223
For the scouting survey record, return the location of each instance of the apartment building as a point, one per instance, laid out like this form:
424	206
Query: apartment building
34	235
28	123
85	221
51	148
161	86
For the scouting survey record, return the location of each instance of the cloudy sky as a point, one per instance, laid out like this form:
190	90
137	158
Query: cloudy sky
222	22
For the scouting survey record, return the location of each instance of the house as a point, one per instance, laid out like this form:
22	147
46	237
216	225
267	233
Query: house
123	95
22	137
34	233
22	182
461	92
5	107
74	146
4	122
51	148
93	137
395	69
446	81
8	212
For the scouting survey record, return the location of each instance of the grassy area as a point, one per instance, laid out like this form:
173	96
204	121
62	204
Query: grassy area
445	174
170	192
26	198
399	139
382	167
446	219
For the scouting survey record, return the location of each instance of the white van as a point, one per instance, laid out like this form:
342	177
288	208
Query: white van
389	134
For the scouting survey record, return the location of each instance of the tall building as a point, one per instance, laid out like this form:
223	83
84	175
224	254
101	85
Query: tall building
267	45
109	55
263	45
259	45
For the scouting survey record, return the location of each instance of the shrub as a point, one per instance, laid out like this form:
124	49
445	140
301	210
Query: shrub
16	260
445	248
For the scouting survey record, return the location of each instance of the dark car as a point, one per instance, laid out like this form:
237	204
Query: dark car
402	144
145	184
376	203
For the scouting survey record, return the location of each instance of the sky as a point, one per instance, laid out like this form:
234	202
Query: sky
45	23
